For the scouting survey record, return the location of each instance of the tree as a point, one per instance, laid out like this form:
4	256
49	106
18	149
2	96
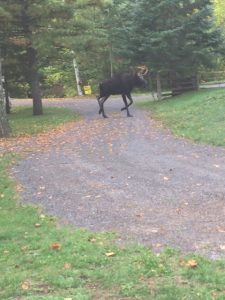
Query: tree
18	32
219	9
4	125
38	27
44	35
173	35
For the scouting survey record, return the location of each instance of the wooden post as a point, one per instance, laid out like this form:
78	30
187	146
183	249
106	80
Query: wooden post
159	87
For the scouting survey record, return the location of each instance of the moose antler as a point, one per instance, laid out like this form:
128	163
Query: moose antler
143	70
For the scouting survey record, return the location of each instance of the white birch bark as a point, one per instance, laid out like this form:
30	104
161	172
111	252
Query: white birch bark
77	76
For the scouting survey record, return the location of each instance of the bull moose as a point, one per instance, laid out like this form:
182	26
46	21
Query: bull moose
121	84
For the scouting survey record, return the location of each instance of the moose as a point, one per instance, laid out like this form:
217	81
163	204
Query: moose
121	84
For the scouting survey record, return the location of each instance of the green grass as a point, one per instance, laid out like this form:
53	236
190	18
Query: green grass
199	116
23	122
80	269
30	269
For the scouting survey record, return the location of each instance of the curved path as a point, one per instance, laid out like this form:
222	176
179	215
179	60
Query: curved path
130	176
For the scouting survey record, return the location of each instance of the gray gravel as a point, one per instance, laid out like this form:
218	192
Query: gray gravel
130	176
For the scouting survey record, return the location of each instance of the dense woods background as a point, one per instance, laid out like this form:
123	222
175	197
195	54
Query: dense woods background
40	38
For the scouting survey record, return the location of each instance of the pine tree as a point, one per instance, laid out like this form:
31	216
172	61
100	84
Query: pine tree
37	27
173	35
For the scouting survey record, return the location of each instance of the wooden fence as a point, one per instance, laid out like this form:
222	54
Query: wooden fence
170	85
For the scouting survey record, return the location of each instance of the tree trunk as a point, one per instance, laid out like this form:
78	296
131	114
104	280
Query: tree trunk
5	129
7	101
32	60
35	83
36	94
159	87
111	59
77	76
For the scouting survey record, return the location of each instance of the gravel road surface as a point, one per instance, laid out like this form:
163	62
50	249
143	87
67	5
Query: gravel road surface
130	176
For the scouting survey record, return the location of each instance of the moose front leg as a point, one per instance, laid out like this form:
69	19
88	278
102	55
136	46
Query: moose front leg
126	105
130	98
131	101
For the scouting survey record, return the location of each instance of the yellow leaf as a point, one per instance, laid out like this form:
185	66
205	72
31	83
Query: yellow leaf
67	266
110	254
93	240
192	263
25	285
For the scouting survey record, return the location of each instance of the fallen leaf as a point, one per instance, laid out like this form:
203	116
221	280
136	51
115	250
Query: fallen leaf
154	230
110	254
24	248
192	264
216	166
92	240
55	246
165	178
67	266
37	225
140	215
222	247
25	285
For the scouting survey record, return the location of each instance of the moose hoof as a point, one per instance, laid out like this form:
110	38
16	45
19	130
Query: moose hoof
123	108
130	116
104	116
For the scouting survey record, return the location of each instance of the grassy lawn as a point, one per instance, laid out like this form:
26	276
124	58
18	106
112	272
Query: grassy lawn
40	260
23	122
199	116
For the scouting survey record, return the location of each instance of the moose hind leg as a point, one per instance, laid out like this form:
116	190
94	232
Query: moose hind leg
101	104
126	105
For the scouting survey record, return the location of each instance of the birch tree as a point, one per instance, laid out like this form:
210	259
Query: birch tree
4	124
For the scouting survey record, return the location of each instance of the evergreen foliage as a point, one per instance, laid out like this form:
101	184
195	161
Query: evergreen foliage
39	36
173	35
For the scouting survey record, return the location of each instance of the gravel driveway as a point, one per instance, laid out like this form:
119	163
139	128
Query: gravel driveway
130	176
